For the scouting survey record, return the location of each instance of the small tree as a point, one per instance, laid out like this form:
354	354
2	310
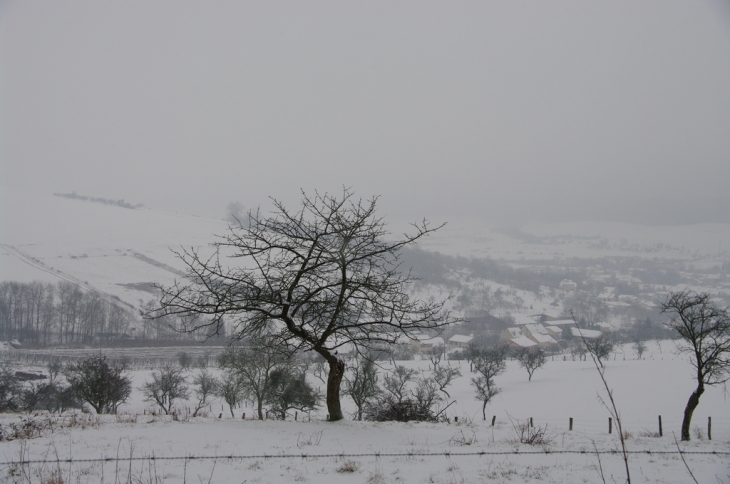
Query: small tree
97	383
253	366
600	347
531	359
10	389
206	385
230	389
639	347
488	364
435	354
290	390
167	385
706	331
443	376
362	384
396	382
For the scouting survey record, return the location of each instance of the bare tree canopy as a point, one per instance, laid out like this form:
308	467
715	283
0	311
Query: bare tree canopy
706	330
314	279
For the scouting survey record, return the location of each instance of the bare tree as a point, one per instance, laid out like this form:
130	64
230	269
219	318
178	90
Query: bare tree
600	347
362	384
97	383
315	279
230	390
706	331
435	354
206	385
167	385
531	359
396	382
640	347
290	390
253	366
488	364
443	376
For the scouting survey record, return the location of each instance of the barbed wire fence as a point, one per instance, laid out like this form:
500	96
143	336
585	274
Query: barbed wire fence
376	455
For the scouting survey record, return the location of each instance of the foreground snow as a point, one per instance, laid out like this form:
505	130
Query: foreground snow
468	451
348	451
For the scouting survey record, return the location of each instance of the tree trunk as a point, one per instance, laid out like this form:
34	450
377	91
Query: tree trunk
334	379
260	408
692	403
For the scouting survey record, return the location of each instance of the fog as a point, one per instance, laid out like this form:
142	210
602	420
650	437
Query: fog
509	111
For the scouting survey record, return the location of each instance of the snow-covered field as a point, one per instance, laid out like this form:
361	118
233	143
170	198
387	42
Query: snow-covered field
313	450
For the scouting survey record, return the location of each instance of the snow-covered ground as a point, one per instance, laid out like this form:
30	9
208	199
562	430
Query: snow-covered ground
657	385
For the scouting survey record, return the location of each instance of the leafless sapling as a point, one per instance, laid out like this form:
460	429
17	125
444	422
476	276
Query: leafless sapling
488	363
168	384
206	385
362	384
531	359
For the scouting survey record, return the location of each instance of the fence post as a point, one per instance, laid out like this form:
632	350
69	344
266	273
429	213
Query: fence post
610	425
709	428
531	422
570	426
661	434
493	420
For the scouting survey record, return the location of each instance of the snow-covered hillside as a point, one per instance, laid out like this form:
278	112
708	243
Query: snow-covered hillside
119	251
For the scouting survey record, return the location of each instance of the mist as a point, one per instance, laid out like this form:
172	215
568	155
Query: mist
508	111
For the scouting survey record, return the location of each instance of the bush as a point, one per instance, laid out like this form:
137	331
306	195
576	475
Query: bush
389	409
97	383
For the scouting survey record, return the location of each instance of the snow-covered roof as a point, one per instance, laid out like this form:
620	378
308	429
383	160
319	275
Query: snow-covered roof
558	322
437	341
460	338
515	332
523	341
543	338
555	329
586	333
536	328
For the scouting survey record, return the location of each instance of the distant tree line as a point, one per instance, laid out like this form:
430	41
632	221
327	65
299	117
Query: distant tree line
105	201
45	313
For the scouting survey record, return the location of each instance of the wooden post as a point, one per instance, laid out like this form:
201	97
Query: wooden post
531	422
243	417
296	416
494	418
709	428
570	425
661	433
456	419
610	425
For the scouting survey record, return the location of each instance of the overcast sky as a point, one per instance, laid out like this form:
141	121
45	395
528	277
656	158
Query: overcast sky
508	110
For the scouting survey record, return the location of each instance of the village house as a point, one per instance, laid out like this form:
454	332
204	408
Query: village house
585	333
424	342
460	341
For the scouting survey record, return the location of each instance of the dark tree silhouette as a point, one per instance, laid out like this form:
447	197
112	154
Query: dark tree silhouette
531	359
97	383
706	332
315	279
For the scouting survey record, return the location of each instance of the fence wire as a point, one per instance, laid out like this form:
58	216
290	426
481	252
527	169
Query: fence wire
376	455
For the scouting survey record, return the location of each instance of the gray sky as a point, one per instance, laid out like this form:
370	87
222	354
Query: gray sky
508	110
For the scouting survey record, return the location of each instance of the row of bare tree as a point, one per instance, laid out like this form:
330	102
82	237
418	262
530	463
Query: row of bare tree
44	313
